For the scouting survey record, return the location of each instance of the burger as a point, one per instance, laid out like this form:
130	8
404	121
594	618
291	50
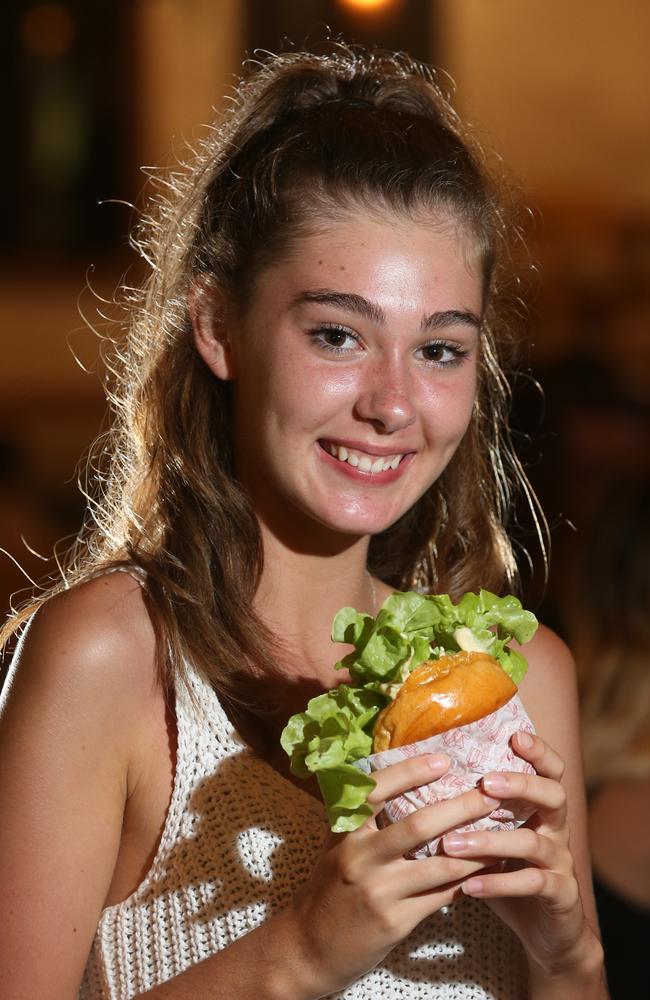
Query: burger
455	690
423	666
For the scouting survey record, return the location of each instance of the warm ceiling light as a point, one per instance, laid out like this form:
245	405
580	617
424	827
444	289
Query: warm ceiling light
368	5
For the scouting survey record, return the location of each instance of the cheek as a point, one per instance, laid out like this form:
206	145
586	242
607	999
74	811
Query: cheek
307	395
449	407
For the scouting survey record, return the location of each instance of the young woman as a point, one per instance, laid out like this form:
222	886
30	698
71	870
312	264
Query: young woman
310	413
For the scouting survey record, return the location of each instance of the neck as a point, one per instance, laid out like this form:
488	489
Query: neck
300	592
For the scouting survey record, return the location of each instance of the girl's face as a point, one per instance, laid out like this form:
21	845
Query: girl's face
354	371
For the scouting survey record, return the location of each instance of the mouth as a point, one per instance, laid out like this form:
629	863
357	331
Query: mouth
363	461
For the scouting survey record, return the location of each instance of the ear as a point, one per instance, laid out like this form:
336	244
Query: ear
207	309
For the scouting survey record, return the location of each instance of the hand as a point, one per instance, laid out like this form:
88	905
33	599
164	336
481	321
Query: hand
364	896
534	889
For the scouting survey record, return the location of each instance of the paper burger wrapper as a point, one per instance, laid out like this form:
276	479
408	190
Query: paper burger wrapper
473	750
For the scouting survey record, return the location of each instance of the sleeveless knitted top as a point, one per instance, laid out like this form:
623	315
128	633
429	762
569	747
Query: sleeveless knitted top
238	841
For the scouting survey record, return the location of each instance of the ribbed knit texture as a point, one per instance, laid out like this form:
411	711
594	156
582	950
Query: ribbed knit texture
238	841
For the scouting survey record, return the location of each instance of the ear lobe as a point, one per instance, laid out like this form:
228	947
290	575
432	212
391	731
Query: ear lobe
207	311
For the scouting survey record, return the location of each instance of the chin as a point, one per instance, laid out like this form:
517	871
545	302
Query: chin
358	521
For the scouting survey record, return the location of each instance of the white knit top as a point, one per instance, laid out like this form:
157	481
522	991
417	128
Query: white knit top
238	841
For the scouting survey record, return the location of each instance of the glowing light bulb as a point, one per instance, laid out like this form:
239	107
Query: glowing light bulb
366	5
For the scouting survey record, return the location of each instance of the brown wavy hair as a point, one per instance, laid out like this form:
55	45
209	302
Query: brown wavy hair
309	135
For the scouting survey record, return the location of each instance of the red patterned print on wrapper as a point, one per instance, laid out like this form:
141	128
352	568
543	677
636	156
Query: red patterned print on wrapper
474	750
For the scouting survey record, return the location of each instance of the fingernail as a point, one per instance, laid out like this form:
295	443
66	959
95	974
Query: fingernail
455	842
524	739
438	760
473	887
495	783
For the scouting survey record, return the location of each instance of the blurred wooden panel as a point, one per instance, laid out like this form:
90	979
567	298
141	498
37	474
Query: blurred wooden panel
562	89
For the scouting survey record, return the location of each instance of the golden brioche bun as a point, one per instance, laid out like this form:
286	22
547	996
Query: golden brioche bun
439	695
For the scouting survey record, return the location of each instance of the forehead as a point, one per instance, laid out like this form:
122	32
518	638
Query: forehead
388	256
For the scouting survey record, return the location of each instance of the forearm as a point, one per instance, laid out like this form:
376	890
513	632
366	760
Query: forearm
266	964
584	979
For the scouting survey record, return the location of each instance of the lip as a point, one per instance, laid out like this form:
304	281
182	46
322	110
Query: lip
367	478
370	449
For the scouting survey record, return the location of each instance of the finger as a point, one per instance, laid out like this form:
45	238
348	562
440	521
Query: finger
546	795
559	890
429	874
432	821
544	759
405	775
523	844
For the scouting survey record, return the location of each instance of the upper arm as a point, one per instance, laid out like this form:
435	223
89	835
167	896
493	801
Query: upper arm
549	694
66	729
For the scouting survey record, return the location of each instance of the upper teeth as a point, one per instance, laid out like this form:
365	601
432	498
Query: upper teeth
366	463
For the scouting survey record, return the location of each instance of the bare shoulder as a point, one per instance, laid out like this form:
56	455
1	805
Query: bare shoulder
102	615
549	687
546	651
96	639
550	696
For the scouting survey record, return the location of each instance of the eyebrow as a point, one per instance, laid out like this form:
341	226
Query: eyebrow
373	312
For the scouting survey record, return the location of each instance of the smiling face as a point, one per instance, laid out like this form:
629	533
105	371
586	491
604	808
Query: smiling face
354	371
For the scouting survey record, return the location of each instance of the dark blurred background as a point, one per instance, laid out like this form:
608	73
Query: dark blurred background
96	90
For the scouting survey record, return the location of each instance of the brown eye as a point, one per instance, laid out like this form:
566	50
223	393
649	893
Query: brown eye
442	354
434	352
335	339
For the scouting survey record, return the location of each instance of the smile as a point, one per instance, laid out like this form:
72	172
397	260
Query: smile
361	460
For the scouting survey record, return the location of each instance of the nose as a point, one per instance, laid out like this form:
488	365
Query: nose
386	398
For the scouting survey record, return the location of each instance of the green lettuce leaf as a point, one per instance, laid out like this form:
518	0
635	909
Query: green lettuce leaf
348	625
345	791
398	637
479	611
325	740
408	623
